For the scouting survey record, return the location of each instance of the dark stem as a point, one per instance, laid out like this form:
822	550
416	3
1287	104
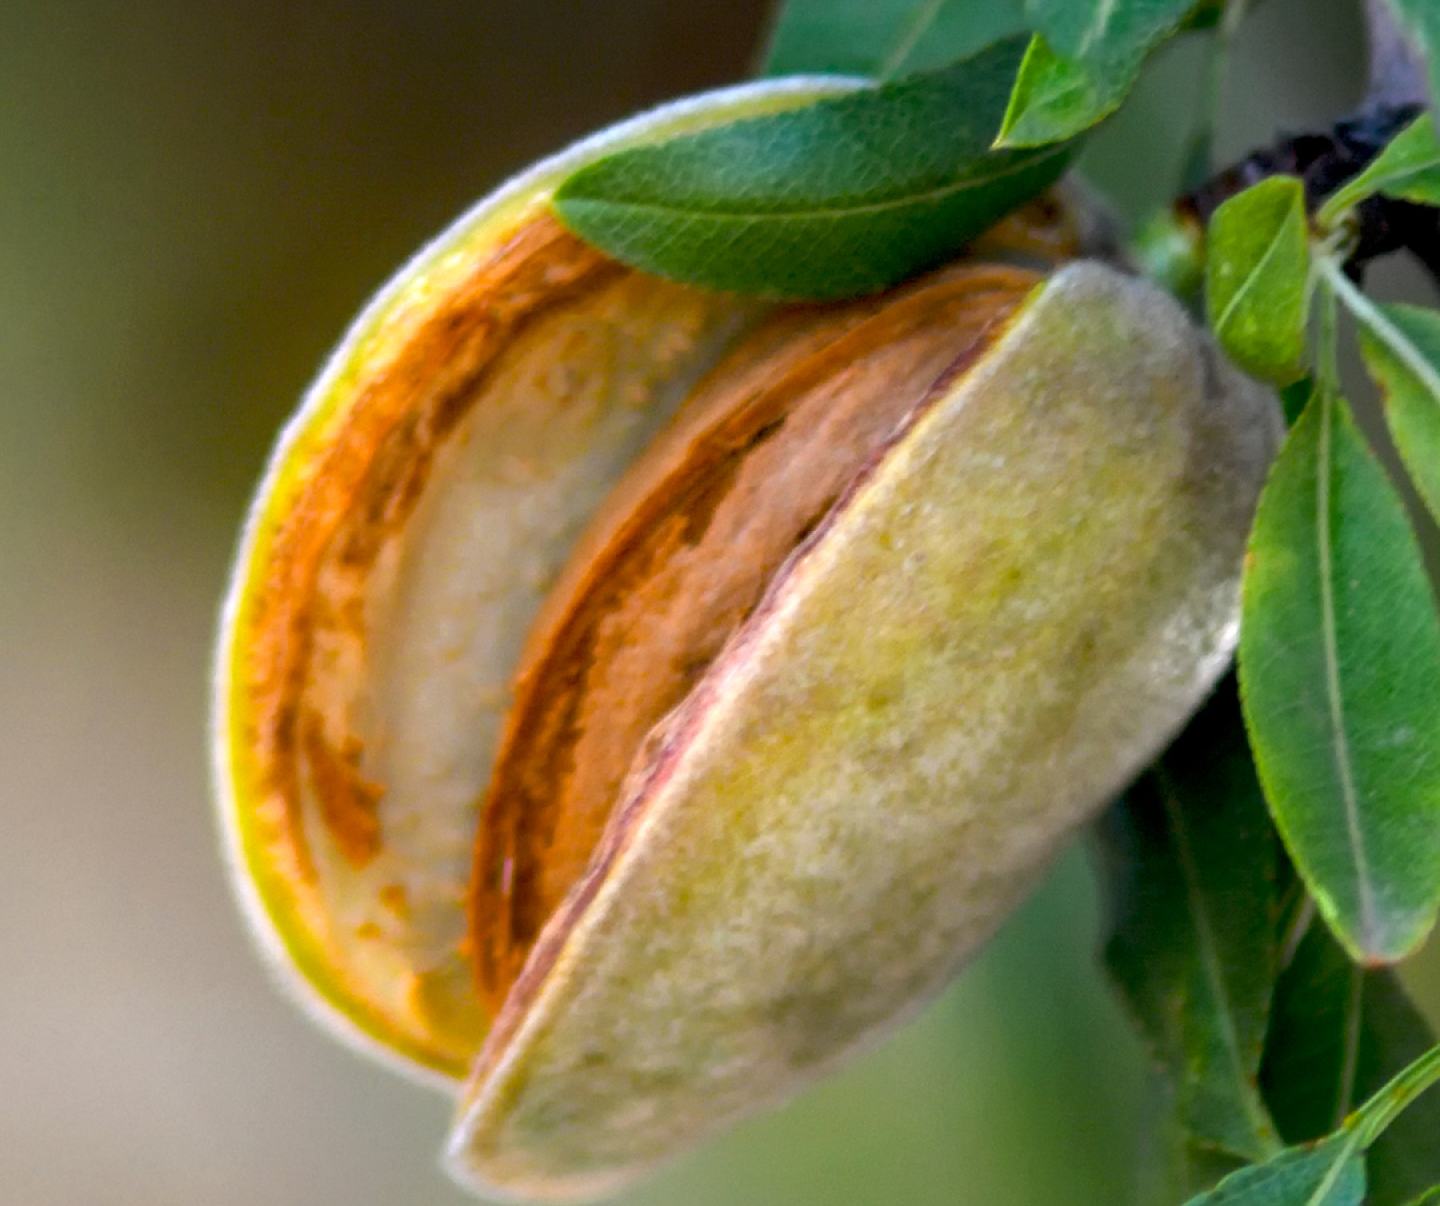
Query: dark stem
1397	94
1323	161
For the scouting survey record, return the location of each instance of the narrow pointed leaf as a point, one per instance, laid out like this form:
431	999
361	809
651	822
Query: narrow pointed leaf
1257	278
1407	169
1401	345
1056	97
1082	63
1193	950
839	197
888	38
884	38
1332	1173
1406	1158
1396	1098
1340	676
1338	1035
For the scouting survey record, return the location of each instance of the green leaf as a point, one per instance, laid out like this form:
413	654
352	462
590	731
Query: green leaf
1340	678
884	38
1408	169
1082	63
1429	1198
1421	19
1056	97
1257	280
1401	345
1331	1173
1403	1090
837	198
1194	871
1338	1034
1404	1160
887	38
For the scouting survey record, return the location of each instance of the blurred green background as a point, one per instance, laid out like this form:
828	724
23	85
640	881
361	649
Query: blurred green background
194	198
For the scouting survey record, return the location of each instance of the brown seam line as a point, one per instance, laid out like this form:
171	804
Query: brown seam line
502	926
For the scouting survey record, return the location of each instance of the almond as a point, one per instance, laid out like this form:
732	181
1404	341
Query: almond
631	700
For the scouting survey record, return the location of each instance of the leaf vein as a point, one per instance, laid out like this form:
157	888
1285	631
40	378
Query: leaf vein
1223	321
938	193
1331	656
1211	962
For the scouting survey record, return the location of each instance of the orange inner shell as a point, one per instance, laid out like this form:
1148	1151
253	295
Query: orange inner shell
673	560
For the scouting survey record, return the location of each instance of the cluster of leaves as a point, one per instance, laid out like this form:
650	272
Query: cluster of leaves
1268	1036
1286	851
1340	645
1339	669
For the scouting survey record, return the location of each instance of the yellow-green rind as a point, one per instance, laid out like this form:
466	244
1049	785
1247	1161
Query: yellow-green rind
1003	620
293	944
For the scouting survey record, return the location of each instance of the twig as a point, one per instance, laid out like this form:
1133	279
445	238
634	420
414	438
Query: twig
1323	161
1397	71
1396	94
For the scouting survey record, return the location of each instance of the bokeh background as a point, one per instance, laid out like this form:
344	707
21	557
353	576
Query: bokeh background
195	195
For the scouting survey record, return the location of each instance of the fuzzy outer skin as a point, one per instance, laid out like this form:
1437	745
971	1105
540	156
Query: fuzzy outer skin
1006	617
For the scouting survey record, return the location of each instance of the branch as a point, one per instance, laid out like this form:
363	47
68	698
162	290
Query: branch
1324	161
1397	70
1396	94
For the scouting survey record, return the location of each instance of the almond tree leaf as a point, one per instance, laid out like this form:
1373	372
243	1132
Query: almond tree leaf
1056	96
1401	345
1340	679
1408	169
1338	1034
840	197
1082	63
884	38
1332	1173
1194	872
887	38
1421	20
1257	278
